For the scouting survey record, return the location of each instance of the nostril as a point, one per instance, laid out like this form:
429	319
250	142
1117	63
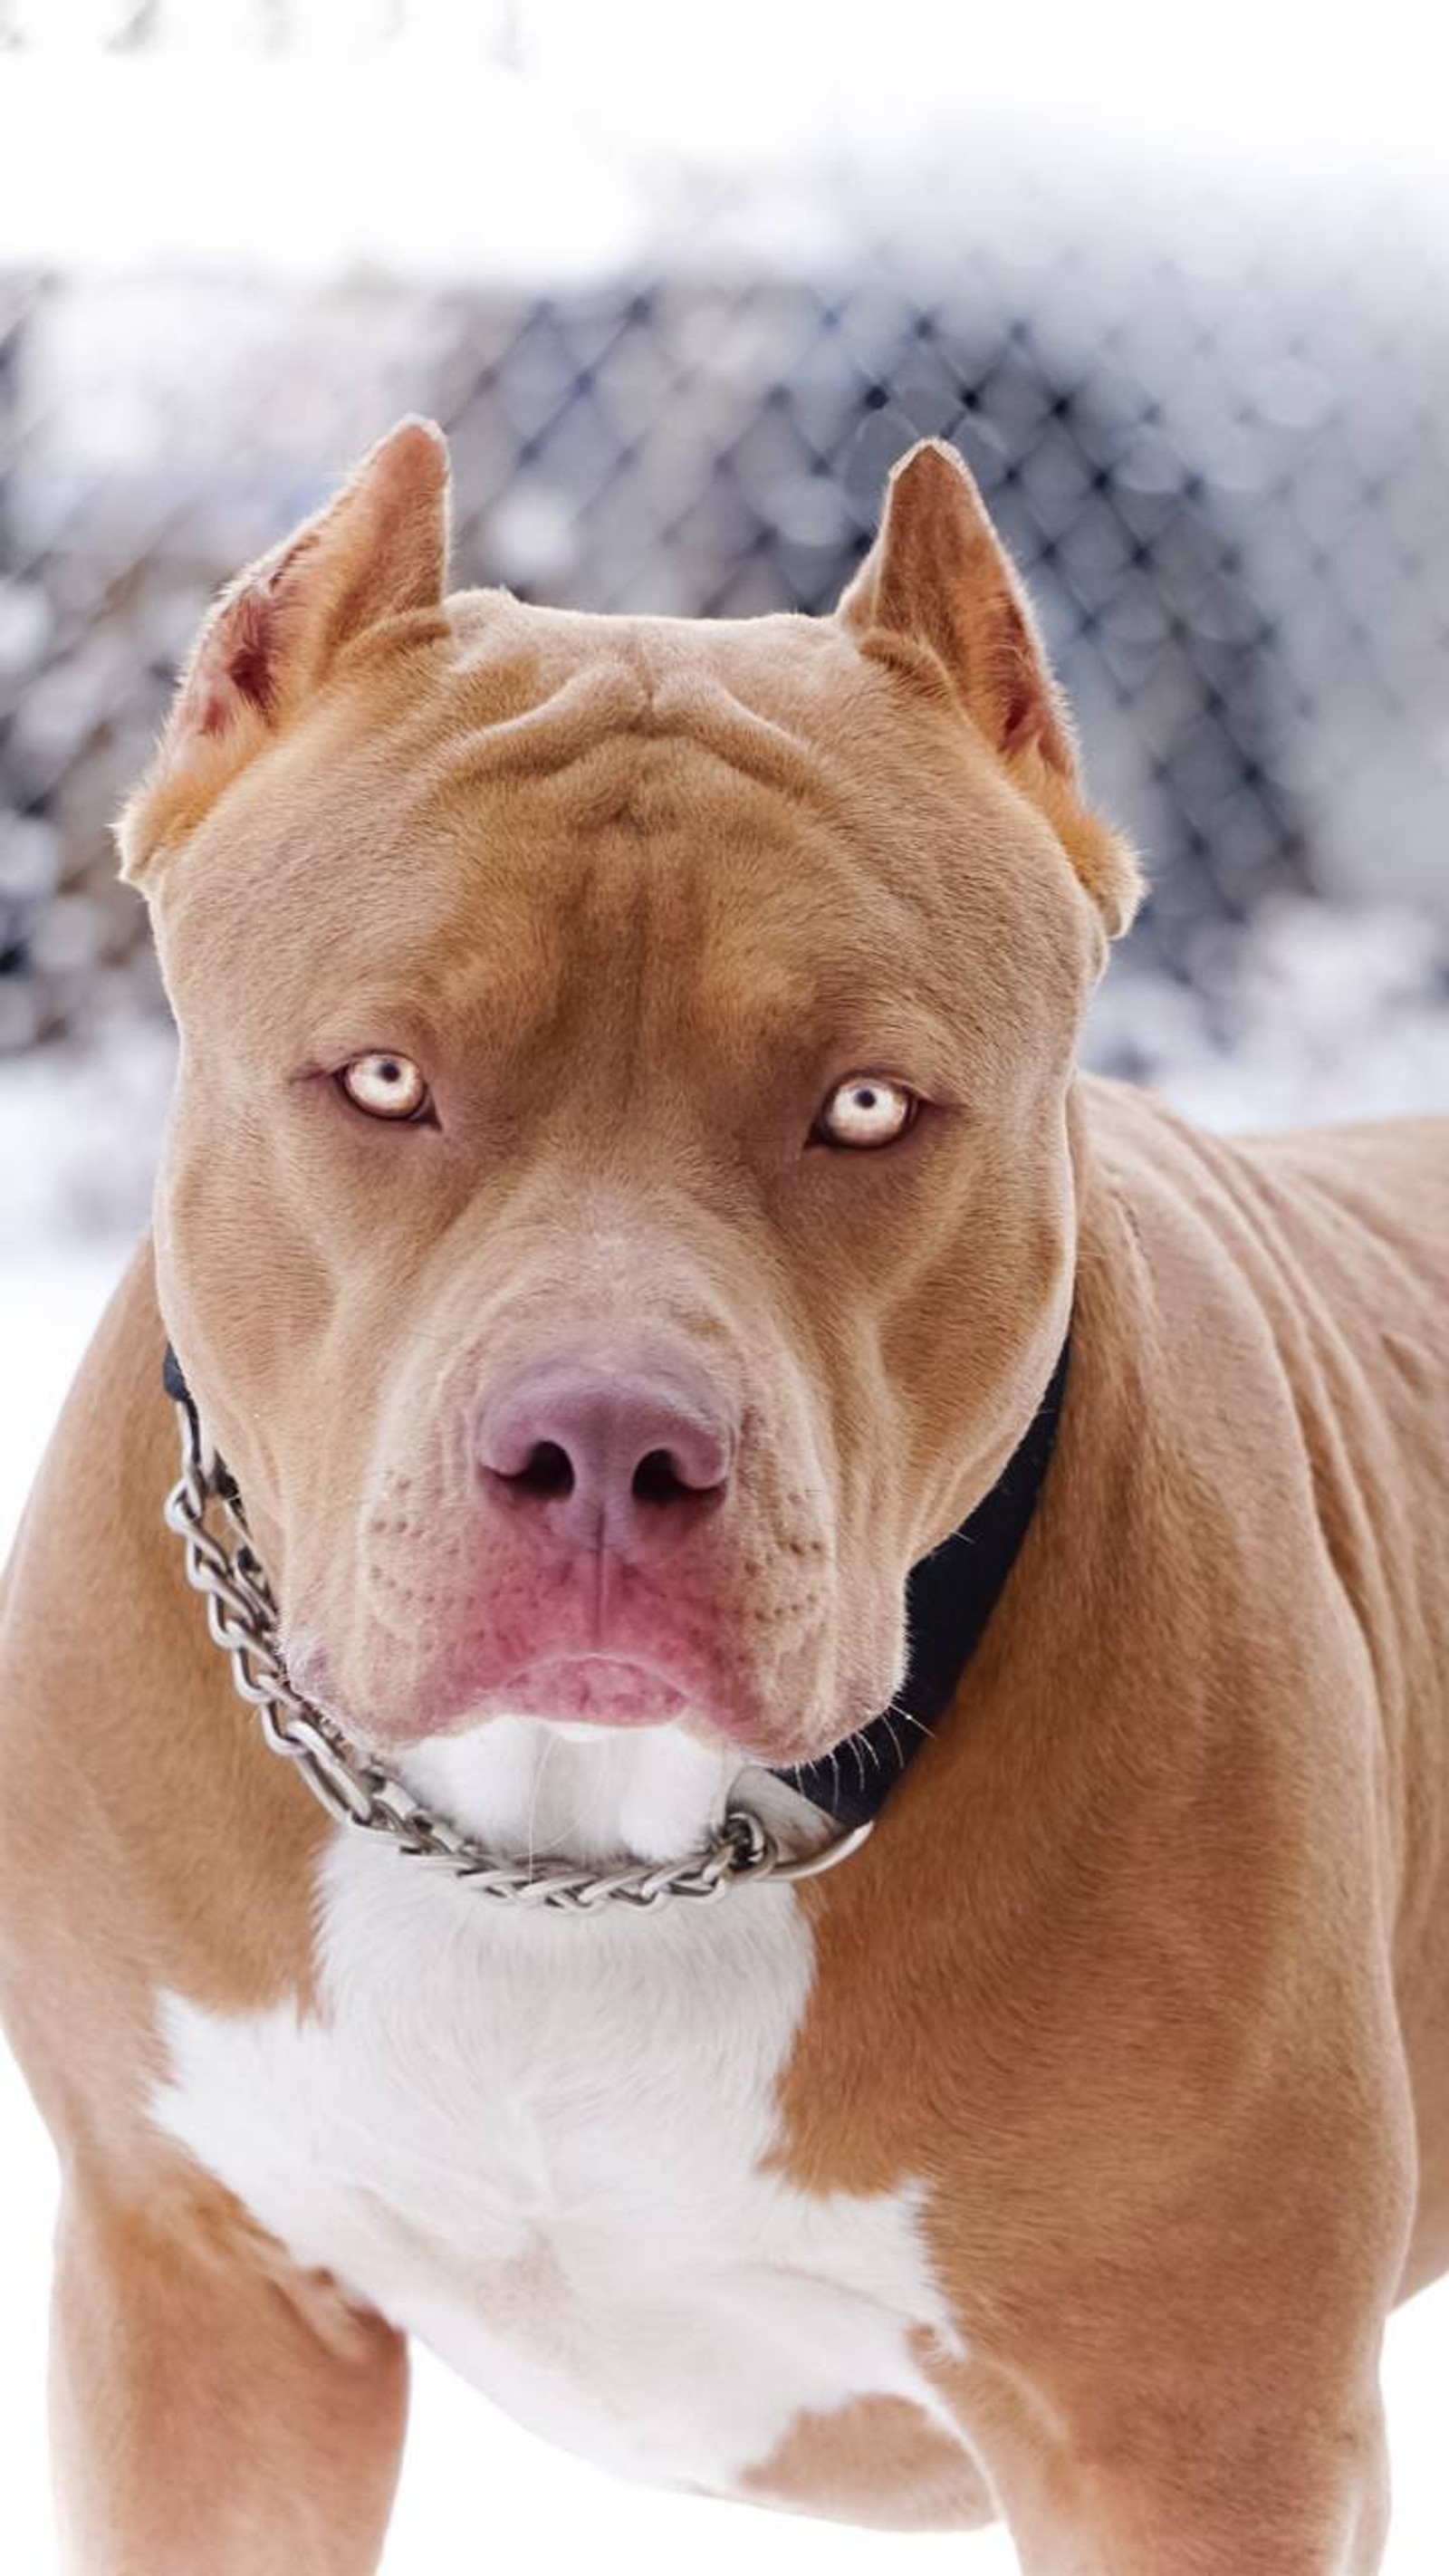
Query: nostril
589	1452
546	1471
658	1480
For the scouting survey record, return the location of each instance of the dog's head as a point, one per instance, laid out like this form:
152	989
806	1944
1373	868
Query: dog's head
617	1212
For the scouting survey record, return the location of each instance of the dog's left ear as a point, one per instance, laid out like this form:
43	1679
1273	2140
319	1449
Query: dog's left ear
938	576
376	552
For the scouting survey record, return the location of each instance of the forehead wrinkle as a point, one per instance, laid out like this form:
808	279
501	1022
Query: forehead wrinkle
704	711
585	710
642	778
602	734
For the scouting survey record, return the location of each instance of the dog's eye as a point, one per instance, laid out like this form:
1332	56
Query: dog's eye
385	1086
865	1111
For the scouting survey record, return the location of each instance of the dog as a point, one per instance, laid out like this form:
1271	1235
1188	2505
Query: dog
868	1616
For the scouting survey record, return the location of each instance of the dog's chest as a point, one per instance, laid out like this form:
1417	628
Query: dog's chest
545	2146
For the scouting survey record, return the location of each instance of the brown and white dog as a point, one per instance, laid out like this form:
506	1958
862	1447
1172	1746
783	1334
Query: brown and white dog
627	1190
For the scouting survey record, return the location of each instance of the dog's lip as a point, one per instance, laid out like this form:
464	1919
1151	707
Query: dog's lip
585	1687
593	1689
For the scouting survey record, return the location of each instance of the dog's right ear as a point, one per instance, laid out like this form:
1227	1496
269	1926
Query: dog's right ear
378	550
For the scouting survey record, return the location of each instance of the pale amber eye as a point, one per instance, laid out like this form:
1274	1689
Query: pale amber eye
867	1110
385	1086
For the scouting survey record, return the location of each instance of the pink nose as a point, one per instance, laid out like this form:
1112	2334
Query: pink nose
626	1459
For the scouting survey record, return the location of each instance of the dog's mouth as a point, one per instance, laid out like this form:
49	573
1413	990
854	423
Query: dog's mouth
592	1690
764	1679
581	1693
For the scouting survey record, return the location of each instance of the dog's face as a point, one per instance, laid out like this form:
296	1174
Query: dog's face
617	1212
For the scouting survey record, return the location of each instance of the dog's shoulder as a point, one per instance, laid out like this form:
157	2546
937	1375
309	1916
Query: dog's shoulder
129	1762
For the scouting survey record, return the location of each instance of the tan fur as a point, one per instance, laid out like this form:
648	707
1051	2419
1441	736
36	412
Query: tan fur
378	551
1147	1965
208	2410
939	578
878	2461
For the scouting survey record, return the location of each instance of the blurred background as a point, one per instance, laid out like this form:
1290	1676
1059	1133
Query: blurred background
681	292
682	286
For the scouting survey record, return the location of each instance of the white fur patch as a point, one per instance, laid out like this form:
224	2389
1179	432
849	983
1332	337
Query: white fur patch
541	2143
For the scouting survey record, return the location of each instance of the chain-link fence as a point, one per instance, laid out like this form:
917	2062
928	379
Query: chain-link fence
1219	455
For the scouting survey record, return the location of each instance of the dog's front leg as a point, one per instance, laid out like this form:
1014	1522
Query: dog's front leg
212	2415
1307	2507
1273	2477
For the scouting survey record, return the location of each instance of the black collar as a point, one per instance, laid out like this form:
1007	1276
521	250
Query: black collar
950	1596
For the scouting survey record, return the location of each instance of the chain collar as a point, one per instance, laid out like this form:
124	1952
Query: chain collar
241	1614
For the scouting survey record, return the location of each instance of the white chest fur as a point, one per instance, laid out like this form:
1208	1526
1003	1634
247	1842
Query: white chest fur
543	2145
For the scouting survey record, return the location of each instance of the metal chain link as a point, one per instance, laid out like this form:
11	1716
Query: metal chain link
241	1614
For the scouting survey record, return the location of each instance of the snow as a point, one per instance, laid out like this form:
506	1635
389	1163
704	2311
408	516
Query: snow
413	189
470	141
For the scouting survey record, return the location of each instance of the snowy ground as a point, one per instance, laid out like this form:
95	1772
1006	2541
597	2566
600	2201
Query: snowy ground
74	1144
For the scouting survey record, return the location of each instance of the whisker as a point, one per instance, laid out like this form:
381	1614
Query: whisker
531	1846
908	1718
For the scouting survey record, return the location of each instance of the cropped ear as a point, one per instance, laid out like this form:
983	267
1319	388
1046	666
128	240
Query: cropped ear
938	576
378	550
